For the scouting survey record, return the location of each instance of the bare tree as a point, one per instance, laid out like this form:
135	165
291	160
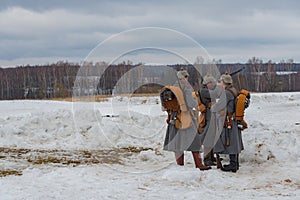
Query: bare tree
256	67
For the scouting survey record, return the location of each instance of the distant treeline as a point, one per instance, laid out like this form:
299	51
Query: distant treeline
64	79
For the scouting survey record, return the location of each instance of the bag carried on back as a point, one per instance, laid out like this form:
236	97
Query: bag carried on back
242	101
172	101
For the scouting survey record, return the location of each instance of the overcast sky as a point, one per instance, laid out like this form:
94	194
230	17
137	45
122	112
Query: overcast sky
45	31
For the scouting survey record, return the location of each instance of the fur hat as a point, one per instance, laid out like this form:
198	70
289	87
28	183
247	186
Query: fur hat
209	79
226	78
182	73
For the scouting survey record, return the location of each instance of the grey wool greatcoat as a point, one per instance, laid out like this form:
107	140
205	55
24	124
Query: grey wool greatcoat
178	140
234	135
209	96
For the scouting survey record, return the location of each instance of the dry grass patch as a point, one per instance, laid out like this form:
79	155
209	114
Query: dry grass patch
97	98
102	98
8	172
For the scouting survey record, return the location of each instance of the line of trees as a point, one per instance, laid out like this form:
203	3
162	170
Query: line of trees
63	79
269	76
38	82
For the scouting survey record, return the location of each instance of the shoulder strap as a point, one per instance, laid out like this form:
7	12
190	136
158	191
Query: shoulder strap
234	96
198	98
233	93
201	106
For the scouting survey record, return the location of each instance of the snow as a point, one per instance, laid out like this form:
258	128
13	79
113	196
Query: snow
113	150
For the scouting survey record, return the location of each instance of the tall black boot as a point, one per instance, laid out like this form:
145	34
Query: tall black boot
233	164
237	161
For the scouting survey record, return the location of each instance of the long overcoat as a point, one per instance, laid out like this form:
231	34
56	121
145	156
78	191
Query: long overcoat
178	140
209	97
233	134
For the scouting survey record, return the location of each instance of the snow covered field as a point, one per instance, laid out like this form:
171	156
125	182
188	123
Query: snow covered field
113	150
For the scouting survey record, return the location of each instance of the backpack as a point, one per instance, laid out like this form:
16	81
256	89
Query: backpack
172	101
242	102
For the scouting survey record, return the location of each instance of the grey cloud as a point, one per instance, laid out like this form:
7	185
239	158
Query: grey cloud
57	28
104	7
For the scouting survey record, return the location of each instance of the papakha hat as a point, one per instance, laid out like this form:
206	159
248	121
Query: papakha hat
182	74
226	78
208	79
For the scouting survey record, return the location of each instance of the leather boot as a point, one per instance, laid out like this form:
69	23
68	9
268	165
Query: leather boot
209	159
237	162
179	156
219	162
198	161
233	164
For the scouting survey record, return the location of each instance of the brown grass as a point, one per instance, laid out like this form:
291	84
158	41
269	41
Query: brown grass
145	95
10	172
97	98
102	98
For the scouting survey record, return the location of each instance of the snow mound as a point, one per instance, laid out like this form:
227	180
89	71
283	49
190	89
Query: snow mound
273	119
61	131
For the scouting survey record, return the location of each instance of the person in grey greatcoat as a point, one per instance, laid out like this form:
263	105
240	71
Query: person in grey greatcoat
209	92
180	140
230	141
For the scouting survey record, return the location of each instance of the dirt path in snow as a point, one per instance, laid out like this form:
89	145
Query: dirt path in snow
13	161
